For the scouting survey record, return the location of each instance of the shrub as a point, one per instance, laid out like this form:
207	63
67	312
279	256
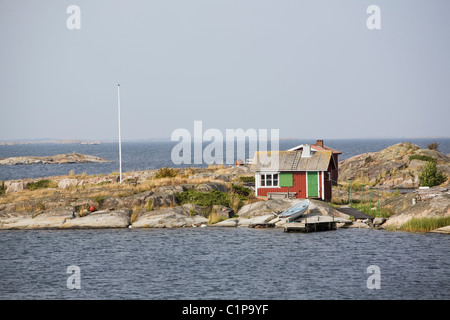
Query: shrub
99	199
165	172
42	184
433	146
206	199
2	188
203	198
247	179
149	205
240	190
368	159
429	176
421	157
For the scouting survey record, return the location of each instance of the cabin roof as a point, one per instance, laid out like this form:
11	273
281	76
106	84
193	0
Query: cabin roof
292	161
315	147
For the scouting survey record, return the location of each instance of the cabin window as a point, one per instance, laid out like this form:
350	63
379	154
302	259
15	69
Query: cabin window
269	180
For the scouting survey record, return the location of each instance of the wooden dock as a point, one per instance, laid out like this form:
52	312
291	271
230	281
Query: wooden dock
355	213
313	224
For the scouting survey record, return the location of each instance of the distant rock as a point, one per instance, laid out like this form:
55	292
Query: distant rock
60	158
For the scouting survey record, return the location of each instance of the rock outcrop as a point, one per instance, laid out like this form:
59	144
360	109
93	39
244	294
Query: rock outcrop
397	166
60	158
65	218
433	202
187	215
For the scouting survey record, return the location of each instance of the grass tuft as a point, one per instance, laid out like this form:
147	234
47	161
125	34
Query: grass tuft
425	224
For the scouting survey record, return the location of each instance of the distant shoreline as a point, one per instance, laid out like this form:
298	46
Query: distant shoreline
99	141
53	141
57	159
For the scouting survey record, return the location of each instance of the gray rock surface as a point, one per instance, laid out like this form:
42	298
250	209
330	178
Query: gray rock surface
180	216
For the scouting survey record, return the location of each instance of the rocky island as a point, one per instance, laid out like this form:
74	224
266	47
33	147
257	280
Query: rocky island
397	166
60	158
222	197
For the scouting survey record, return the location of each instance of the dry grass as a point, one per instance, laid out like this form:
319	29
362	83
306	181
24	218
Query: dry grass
25	198
215	218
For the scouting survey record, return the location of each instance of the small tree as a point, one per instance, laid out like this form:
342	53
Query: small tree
2	188
433	146
429	176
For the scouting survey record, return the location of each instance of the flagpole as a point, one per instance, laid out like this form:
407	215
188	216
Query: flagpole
120	139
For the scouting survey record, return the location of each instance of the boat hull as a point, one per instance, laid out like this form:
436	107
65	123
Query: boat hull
295	211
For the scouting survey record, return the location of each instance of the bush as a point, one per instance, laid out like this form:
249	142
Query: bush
203	198
2	188
421	157
99	199
433	146
166	173
247	179
42	184
240	190
368	159
429	176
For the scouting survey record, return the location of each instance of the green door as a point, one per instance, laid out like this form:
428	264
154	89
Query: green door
313	185
286	180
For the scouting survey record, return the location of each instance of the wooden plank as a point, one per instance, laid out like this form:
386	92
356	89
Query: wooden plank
354	213
310	227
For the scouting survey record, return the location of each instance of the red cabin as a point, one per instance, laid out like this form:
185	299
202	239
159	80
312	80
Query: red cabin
305	171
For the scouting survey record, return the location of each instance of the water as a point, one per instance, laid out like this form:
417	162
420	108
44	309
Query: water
210	263
156	154
223	263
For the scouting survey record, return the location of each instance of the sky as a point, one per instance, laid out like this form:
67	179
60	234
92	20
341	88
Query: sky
312	69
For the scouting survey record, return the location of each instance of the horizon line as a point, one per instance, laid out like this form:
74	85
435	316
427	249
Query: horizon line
105	140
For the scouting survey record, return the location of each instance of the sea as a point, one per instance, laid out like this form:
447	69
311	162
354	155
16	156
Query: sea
213	263
216	263
150	155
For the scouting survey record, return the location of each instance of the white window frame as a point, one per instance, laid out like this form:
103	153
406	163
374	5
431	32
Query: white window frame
271	174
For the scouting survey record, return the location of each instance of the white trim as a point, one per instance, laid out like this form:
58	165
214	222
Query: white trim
306	173
258	180
300	146
318	184
323	185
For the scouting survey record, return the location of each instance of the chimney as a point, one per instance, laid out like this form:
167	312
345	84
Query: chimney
319	143
306	151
